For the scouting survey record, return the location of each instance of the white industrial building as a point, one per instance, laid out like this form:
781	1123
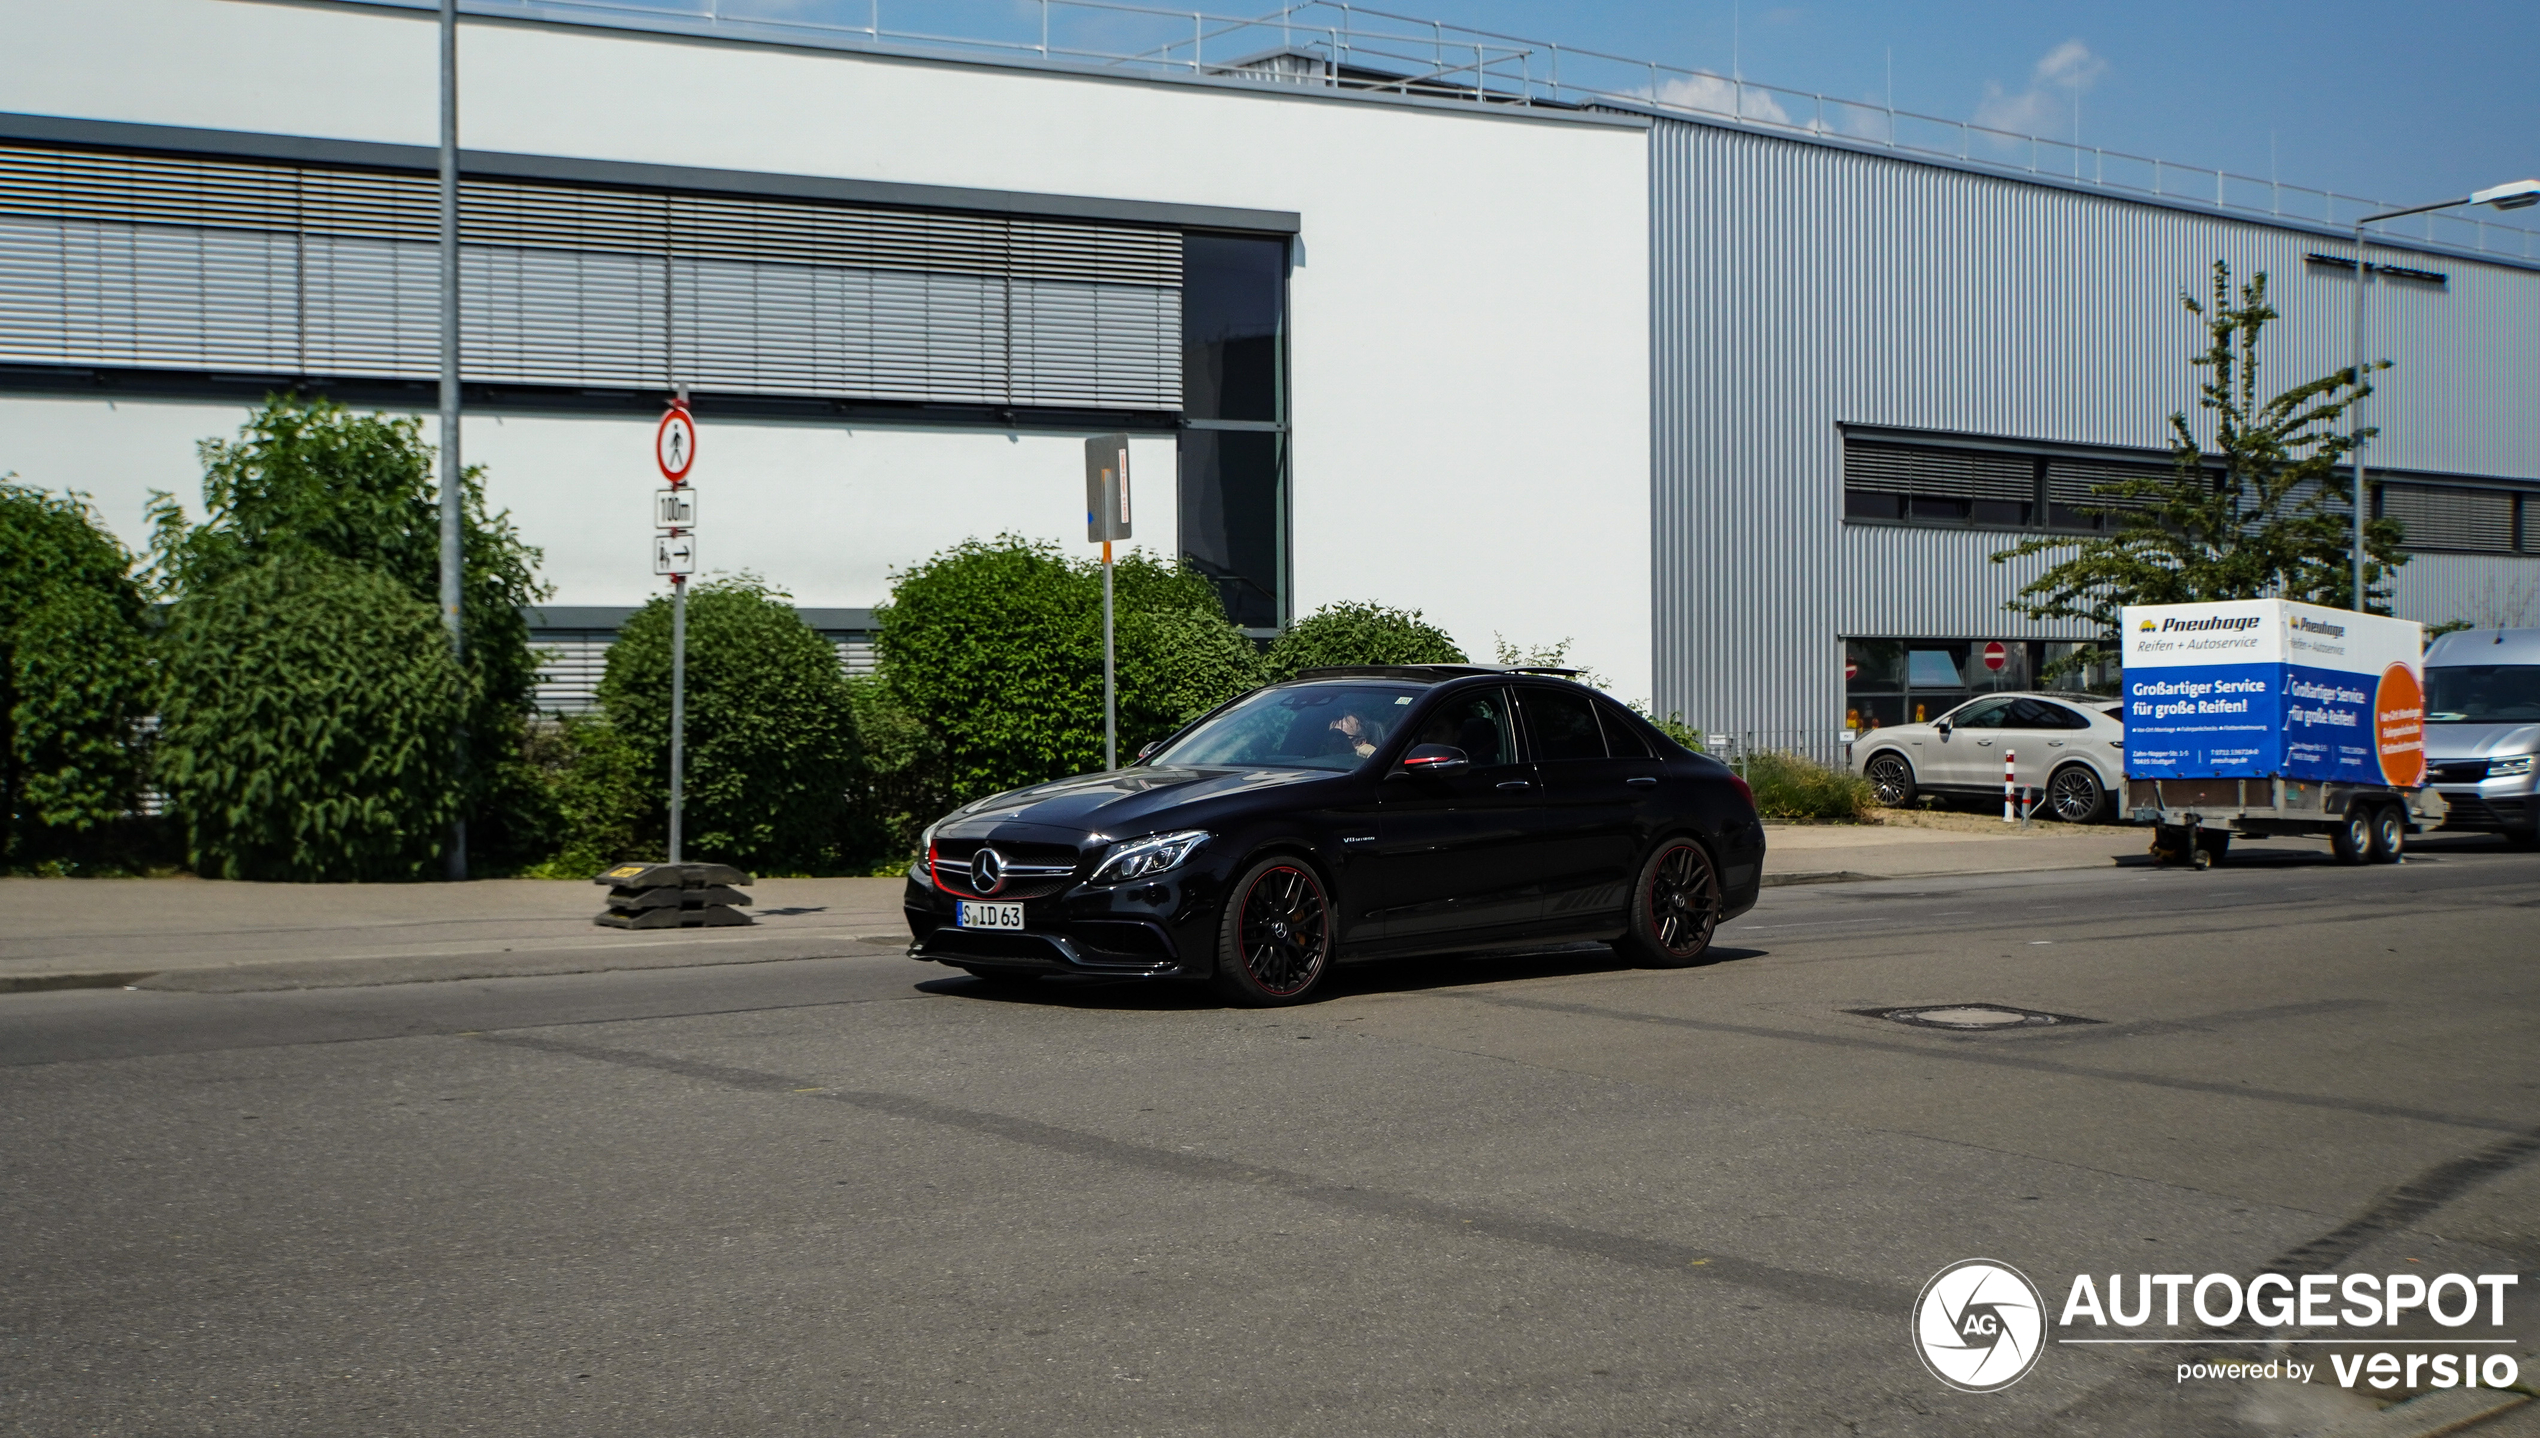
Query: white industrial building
1733	395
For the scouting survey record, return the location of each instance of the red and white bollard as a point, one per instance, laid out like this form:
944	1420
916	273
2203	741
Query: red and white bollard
2010	792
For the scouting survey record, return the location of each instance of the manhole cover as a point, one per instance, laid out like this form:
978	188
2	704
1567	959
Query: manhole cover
1967	1018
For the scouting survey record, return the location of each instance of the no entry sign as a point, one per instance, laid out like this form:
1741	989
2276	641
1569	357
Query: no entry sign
675	443
1995	656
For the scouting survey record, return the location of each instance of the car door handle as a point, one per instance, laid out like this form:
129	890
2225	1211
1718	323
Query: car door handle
2054	743
1984	743
1644	782
1514	785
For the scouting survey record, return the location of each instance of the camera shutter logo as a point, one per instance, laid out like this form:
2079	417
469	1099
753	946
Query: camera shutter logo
987	871
1979	1325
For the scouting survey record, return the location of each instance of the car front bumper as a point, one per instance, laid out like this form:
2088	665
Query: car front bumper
1158	928
2485	807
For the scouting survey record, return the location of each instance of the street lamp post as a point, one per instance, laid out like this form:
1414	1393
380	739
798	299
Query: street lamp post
453	473
2513	196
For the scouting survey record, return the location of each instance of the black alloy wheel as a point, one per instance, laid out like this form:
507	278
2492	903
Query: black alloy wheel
2389	834
1675	907
1275	943
2076	795
2352	838
1891	779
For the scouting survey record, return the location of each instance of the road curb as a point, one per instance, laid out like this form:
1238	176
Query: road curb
1823	876
45	983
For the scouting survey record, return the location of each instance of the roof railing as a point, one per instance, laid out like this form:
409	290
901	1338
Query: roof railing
1342	46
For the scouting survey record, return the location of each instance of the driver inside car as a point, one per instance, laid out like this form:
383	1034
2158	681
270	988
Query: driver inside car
1356	732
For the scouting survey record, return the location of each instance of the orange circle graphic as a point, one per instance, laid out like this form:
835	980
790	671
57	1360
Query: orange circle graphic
2398	727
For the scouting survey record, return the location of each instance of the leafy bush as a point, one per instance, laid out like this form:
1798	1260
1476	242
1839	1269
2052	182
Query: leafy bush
306	722
902	785
74	684
601	805
995	648
1344	634
307	477
770	738
1789	787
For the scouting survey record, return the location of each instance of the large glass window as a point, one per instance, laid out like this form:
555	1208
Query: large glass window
1234	315
1234	518
1234	513
1911	681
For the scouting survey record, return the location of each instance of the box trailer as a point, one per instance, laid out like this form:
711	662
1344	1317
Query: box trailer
2267	718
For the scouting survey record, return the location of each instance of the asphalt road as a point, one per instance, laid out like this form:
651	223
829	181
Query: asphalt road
1535	1195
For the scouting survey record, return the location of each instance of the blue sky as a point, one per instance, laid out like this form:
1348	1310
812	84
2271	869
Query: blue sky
2406	103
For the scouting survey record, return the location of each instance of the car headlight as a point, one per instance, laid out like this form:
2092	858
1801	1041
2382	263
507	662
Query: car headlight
1137	858
2518	764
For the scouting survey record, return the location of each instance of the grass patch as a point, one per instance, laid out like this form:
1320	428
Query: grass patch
1790	787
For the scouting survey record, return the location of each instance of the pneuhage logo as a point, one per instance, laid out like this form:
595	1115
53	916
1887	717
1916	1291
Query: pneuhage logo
1979	1325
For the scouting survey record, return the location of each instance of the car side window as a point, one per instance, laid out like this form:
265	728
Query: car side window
2033	714
1984	714
1562	724
2069	717
1477	723
1621	739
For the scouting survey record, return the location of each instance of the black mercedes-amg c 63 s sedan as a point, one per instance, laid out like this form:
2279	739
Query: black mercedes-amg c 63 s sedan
1349	814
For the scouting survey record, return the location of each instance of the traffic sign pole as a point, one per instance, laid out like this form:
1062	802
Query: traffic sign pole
1110	701
675	450
678	697
1106	520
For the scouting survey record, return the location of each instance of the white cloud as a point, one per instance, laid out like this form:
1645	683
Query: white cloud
1713	95
2046	106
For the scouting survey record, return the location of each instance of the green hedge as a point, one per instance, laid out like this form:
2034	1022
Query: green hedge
994	648
1344	634
771	751
75	676
306	725
309	479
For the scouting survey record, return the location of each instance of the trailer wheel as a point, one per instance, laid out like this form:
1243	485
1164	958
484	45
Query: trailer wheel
2215	843
2389	835
2352	838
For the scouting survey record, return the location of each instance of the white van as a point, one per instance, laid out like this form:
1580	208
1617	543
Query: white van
2482	729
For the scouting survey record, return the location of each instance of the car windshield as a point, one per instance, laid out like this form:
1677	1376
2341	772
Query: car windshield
2483	694
1313	726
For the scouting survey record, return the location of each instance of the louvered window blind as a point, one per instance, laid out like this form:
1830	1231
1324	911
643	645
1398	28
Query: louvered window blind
1957	473
181	263
2477	521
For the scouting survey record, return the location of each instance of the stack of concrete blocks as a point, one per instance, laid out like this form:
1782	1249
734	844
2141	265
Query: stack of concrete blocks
674	896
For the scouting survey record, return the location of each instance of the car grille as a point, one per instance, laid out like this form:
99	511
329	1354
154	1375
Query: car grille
2466	771
1032	871
2468	811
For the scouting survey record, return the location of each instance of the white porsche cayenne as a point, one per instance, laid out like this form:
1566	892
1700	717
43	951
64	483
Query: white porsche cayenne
2070	746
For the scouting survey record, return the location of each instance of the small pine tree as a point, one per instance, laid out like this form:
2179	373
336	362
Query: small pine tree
2260	507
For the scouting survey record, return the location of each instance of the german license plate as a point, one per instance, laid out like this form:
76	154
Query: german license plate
991	916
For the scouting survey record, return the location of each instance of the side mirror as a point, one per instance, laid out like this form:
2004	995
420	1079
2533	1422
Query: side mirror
1942	725
1435	759
1151	746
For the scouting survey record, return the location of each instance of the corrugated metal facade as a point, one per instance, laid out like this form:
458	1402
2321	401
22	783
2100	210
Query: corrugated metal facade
1798	287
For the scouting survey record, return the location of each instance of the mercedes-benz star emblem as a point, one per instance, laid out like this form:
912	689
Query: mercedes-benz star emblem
987	871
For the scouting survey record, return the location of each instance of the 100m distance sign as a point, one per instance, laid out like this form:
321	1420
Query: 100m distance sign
675	508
